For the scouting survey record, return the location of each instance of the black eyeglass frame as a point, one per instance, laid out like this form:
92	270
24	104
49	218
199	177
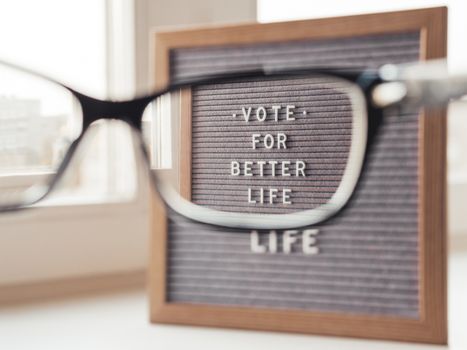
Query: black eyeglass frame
131	111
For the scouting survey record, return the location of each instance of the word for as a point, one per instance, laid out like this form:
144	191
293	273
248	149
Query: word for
269	141
261	113
281	168
287	240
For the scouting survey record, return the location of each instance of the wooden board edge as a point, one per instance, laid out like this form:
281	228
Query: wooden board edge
157	257
185	144
300	322
433	193
295	30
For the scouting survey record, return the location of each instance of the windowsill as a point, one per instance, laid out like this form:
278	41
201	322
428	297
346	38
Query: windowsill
78	205
119	320
75	205
70	237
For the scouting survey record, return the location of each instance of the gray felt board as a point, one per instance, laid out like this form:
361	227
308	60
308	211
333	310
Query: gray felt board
368	260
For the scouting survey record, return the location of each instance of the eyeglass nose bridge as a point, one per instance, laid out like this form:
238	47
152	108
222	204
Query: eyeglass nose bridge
128	111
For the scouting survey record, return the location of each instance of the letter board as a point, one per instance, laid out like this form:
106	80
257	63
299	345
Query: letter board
380	271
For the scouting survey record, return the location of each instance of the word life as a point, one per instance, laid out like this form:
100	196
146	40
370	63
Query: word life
284	242
269	144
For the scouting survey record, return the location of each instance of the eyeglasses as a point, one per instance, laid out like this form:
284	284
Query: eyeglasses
258	148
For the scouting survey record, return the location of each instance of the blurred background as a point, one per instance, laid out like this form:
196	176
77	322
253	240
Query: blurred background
99	226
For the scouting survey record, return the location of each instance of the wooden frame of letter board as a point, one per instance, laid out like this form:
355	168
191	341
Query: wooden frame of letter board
432	325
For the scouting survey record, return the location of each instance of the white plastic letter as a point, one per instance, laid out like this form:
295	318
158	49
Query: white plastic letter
235	168
255	245
268	141
261	114
275	109
308	241
261	164
272	195
300	168
272	242
255	139
246	113
289	113
247	168
286	196
273	167
281	138
285	168
288	239
250	200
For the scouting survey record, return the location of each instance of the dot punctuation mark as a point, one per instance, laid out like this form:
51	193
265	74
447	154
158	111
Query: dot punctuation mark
234	115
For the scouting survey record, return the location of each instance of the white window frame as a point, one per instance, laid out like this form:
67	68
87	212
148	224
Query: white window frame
67	240
84	236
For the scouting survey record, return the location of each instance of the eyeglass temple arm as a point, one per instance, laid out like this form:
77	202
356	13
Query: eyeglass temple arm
427	83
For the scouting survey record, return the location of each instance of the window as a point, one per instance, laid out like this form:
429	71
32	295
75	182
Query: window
97	223
68	41
100	47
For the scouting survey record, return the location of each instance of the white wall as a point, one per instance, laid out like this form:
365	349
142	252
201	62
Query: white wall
152	15
62	39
